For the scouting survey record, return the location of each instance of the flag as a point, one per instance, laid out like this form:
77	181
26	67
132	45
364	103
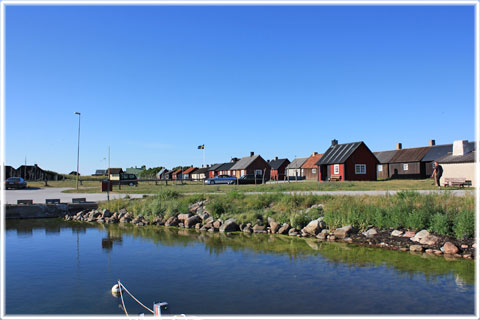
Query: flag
201	147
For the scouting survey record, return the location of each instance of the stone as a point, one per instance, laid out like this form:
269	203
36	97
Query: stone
274	226
106	213
343	232
284	228
321	236
474	245
208	225
140	224
396	233
204	215
247	229
370	233
313	228
259	229
181	225
198	225
292	232
192	221
349	240
123	220
183	216
209	220
203	228
467	256
229	226
332	237
449	248
416	248
409	234
100	221
438	252
403	249
429	251
211	230
429	240
217	224
464	246
172	221
420	235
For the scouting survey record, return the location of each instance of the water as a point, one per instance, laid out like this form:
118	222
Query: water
58	267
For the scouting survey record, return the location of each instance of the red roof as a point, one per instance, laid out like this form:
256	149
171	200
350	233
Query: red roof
310	163
177	171
189	170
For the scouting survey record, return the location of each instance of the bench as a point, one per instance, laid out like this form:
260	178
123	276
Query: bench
79	200
24	201
456	182
52	201
335	177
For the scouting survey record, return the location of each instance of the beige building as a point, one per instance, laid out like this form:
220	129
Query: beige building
460	163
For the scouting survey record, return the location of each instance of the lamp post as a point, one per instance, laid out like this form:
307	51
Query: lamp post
78	150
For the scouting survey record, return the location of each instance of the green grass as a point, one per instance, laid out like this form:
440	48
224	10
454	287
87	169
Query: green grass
442	213
197	187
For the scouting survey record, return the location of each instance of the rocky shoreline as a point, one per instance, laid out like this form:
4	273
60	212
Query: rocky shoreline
200	219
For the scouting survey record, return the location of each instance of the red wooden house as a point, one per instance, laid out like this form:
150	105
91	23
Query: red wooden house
310	169
279	168
349	161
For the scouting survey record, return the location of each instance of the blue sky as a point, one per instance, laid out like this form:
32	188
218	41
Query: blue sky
154	82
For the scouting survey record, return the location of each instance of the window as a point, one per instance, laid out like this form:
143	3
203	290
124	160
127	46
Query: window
336	169
380	168
360	169
314	170
258	172
405	167
433	165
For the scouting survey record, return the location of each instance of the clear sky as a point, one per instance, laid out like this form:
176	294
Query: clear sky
154	82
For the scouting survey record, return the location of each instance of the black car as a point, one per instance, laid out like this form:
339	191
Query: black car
250	179
15	183
128	179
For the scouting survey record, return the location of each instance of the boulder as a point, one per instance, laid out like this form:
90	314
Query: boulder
259	229
321	236
172	221
247	229
449	248
274	226
209	220
106	213
229	226
464	246
396	233
416	248
204	215
217	224
313	227
284	228
100	221
292	232
181	225
409	234
183	216
203	228
198	225
429	240
343	232
192	221
420	235
208	225
370	233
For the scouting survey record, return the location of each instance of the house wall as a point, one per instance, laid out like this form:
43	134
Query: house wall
259	164
416	170
292	173
458	170
310	173
361	156
384	173
341	171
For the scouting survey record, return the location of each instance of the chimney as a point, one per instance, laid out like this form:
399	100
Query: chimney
314	154
461	147
431	143
399	146
276	158
252	153
334	142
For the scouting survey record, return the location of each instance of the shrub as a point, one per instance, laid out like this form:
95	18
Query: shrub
416	219
440	224
167	194
464	224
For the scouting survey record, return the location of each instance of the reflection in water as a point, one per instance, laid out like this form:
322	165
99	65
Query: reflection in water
204	272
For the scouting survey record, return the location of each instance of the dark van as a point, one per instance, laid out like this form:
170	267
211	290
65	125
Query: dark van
126	179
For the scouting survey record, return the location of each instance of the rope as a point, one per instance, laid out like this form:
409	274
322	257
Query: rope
131	295
121	296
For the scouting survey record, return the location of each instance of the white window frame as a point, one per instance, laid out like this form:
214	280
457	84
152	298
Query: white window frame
360	169
258	172
405	167
380	168
314	170
336	169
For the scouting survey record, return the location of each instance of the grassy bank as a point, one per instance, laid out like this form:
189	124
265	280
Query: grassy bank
197	187
443	214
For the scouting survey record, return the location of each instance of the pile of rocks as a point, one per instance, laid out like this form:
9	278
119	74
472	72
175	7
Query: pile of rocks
200	219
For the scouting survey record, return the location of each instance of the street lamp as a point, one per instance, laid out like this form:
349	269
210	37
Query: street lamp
78	150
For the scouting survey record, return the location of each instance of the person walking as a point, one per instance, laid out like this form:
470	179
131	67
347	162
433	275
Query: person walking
437	174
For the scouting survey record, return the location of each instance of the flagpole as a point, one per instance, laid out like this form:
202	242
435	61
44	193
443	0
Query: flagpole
204	155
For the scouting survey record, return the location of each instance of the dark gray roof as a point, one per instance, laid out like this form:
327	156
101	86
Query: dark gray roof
214	167
226	166
385	156
200	170
410	155
101	171
244	162
338	153
297	163
437	152
469	157
275	164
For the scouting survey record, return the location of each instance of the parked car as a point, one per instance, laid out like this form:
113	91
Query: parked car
250	179
15	183
126	179
221	179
